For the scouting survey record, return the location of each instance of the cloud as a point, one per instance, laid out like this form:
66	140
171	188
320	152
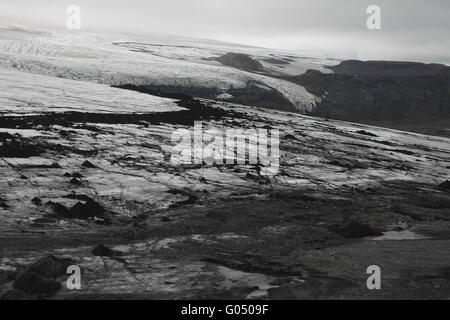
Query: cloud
411	29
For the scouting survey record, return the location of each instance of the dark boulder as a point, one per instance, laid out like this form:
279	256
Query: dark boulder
40	279
81	210
58	208
3	204
50	266
444	186
89	209
88	164
75	182
37	201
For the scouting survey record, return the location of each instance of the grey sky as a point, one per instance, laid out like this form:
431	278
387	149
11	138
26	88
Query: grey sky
411	29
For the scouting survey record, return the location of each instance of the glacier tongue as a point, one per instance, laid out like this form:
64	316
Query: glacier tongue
179	62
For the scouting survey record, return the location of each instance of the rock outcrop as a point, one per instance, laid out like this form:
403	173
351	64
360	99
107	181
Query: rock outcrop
241	61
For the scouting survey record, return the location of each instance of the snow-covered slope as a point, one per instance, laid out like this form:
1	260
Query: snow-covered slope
153	60
24	92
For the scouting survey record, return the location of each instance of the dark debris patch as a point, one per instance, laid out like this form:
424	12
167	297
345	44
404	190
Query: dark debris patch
366	133
16	148
195	110
89	209
6	277
258	178
255	263
20	147
75	175
103	251
355	229
5	136
40	278
191	198
51	266
3	204
406	152
75	182
296	196
36	201
85	210
33	283
81	197
88	164
348	164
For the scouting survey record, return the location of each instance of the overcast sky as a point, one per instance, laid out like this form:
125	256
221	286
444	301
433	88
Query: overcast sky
411	29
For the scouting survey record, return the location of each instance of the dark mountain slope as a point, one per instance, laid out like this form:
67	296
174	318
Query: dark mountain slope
373	91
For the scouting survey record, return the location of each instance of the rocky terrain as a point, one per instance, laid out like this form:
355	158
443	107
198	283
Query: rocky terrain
88	180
